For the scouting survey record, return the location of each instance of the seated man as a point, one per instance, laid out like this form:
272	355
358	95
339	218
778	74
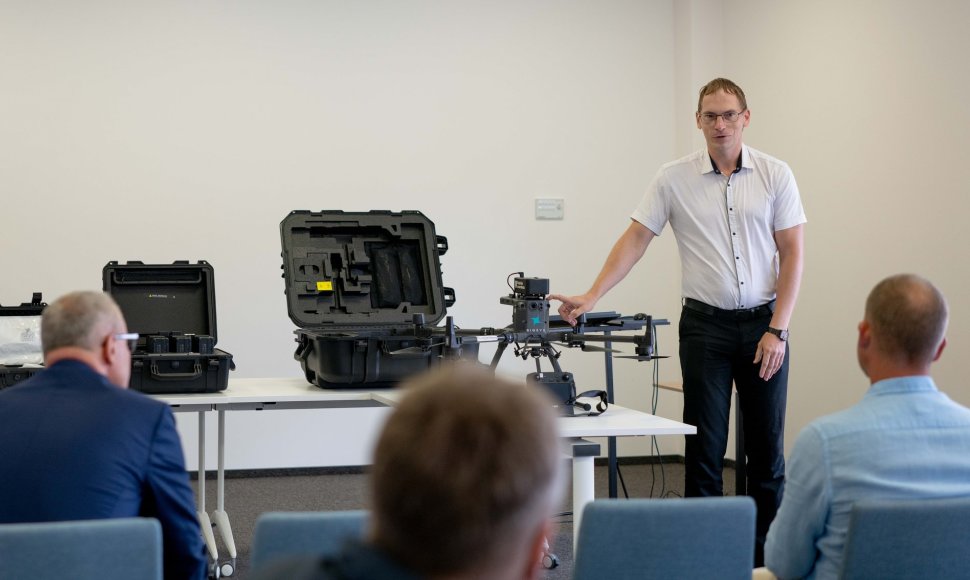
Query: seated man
77	445
905	439
466	476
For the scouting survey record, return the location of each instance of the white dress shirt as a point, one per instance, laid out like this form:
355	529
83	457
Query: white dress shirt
724	225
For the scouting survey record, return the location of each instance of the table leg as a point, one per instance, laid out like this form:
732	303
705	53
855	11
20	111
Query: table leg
220	517
584	454
207	536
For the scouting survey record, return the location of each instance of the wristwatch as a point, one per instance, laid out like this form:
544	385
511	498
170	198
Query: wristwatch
781	334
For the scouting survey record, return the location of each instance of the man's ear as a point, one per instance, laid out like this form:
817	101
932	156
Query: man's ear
939	350
109	350
865	334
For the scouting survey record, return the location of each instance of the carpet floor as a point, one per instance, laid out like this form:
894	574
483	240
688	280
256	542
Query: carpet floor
250	495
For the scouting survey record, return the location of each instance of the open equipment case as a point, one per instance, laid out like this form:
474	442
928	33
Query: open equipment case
356	282
173	309
27	323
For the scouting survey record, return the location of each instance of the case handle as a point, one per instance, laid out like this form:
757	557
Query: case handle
448	294
442	243
196	373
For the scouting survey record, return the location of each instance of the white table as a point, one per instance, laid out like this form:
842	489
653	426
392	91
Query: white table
296	393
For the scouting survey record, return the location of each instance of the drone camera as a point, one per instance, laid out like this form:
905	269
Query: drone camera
530	287
530	308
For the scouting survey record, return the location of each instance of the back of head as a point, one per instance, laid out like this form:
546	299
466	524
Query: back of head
908	316
80	320
467	469
720	84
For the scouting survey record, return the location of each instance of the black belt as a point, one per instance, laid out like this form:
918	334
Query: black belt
766	309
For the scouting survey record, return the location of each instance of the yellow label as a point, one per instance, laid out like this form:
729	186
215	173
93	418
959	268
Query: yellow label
325	286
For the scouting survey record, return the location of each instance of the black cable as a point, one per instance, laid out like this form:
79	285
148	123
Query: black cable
626	494
509	277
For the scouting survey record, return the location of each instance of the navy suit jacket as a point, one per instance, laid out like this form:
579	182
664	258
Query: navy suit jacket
75	447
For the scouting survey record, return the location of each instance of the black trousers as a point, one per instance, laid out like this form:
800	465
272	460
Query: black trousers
716	350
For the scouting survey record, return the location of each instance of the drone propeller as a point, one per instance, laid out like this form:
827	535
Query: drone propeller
643	357
587	347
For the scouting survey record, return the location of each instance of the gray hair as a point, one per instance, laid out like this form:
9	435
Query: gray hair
79	319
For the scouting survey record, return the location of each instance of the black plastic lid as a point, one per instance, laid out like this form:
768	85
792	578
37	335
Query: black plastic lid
33	308
164	298
352	269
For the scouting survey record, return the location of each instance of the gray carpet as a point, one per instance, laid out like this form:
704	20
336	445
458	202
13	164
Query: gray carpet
322	490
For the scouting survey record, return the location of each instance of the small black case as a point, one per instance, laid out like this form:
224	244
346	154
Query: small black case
169	303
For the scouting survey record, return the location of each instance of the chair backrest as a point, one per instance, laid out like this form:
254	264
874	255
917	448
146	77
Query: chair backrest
667	538
908	539
282	534
82	550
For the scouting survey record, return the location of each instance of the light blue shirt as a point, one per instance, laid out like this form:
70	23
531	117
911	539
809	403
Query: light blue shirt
905	439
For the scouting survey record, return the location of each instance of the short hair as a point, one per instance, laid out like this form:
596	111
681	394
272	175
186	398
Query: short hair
466	468
908	315
79	319
720	84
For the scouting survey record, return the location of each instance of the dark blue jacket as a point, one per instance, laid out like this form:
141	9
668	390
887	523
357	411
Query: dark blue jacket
75	447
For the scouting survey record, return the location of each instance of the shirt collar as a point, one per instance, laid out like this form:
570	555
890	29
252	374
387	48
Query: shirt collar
911	384
744	160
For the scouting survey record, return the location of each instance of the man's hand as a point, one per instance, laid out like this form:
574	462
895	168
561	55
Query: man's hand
770	353
573	306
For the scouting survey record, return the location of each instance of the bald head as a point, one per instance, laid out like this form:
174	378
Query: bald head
908	316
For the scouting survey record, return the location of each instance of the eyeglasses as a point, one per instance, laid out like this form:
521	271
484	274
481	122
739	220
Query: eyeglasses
729	117
130	337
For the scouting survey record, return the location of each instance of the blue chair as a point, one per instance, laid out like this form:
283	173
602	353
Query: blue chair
283	534
82	550
667	538
890	539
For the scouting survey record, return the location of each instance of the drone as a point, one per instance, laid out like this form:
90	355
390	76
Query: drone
534	334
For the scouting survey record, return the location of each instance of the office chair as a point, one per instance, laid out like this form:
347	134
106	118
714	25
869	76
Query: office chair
281	534
891	539
667	538
112	549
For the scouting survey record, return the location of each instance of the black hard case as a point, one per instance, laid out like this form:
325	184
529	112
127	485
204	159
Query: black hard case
13	374
354	281
166	300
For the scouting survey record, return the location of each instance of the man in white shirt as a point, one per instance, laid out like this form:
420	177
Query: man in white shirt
738	219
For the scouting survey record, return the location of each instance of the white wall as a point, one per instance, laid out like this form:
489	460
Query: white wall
866	101
187	130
